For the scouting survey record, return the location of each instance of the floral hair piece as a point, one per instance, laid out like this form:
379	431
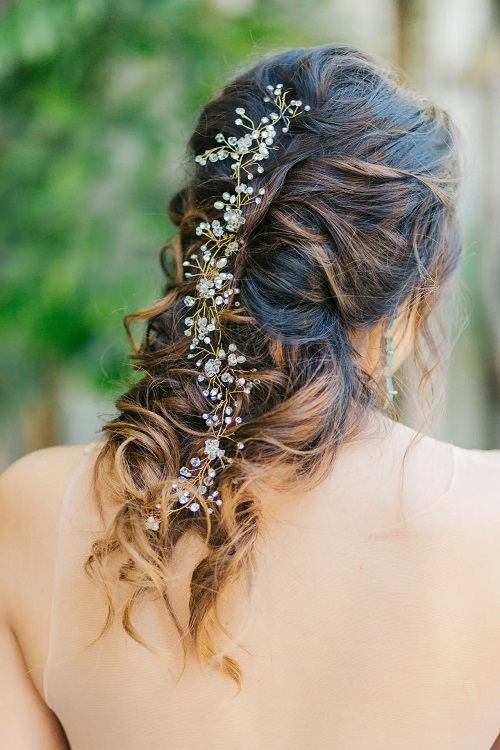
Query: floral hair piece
221	376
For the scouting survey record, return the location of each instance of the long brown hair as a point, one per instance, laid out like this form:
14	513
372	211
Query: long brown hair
359	216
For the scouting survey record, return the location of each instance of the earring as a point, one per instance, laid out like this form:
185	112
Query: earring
389	351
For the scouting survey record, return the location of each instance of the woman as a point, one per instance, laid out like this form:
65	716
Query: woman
277	563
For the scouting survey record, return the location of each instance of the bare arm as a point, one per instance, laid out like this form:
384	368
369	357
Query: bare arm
26	722
30	494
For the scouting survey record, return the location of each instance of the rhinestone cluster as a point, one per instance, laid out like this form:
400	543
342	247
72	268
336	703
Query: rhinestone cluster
221	374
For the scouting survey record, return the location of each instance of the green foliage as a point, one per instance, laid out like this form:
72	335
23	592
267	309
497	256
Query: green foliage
97	98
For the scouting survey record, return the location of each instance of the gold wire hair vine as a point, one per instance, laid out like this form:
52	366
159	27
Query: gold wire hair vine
221	376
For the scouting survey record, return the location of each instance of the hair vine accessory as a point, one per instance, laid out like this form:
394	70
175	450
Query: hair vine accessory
220	372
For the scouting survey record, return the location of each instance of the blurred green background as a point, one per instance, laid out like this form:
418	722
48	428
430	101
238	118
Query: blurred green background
97	100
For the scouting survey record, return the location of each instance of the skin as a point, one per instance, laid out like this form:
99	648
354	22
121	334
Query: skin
371	344
31	492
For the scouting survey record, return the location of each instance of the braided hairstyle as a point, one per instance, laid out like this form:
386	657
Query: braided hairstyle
359	216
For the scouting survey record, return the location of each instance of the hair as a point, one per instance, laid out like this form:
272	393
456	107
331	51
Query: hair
359	217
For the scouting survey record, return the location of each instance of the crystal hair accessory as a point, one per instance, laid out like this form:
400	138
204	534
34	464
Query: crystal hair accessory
221	375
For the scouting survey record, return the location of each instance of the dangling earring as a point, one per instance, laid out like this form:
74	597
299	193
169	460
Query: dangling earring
389	350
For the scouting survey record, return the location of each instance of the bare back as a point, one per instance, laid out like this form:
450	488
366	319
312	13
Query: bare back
373	619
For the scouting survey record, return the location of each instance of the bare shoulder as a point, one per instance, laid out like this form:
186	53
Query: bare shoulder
32	486
449	468
31	493
459	536
473	514
470	519
53	464
476	478
488	457
473	521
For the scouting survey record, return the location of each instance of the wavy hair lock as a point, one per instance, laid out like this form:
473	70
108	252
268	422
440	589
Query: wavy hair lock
359	215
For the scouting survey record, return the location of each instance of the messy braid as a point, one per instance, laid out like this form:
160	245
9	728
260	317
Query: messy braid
359	216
